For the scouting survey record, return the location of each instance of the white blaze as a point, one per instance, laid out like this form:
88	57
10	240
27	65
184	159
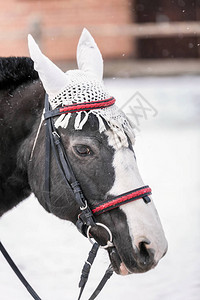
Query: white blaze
143	220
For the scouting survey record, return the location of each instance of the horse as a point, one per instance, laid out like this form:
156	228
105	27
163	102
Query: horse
97	140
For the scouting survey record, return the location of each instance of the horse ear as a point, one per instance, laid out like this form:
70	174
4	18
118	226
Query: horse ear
53	78
89	58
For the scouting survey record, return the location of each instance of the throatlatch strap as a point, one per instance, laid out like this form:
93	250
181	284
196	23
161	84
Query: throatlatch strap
136	194
47	159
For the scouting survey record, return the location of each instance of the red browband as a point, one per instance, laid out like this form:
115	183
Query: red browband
88	105
136	194
84	106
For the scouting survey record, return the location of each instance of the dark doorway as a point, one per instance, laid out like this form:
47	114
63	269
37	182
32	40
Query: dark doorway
158	11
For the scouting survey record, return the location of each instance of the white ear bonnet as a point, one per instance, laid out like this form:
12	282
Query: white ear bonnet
79	86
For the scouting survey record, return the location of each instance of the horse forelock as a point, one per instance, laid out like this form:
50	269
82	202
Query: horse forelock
110	121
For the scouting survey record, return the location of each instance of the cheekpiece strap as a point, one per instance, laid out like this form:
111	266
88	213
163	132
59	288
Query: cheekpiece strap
133	195
79	107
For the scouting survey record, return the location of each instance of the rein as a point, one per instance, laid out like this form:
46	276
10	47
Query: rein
86	218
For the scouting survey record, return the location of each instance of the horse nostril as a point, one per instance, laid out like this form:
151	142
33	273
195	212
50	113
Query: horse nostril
143	250
146	254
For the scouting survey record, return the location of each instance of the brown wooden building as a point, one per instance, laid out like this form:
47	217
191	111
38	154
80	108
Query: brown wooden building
57	25
125	30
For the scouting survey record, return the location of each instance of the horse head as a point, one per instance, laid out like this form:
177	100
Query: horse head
99	145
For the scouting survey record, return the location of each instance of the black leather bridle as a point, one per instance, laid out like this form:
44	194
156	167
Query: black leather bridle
53	143
86	218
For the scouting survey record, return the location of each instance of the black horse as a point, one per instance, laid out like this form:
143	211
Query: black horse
22	101
98	146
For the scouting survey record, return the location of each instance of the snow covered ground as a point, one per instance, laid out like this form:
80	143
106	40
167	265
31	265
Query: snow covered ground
50	252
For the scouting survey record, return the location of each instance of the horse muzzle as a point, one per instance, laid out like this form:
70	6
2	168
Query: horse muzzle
139	257
124	258
128	261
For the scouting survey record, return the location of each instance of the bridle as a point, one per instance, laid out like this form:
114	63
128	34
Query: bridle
54	143
86	218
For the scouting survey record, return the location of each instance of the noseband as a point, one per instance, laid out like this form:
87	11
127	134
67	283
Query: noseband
86	218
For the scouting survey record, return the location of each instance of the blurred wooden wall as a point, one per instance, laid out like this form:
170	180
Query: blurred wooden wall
137	36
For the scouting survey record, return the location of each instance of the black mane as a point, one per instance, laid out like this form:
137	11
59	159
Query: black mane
15	71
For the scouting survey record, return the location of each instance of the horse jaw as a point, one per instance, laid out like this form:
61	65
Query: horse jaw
142	219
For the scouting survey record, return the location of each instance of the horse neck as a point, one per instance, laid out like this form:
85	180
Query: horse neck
20	112
20	109
31	108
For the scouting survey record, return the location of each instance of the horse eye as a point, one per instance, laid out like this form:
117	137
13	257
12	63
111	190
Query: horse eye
83	150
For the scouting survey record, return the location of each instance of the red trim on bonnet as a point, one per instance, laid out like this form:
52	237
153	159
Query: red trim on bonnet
87	105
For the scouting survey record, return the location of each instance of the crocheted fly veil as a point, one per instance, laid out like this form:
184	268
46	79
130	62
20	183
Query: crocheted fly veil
79	87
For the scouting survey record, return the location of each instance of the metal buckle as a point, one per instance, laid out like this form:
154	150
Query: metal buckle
84	207
55	134
109	243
